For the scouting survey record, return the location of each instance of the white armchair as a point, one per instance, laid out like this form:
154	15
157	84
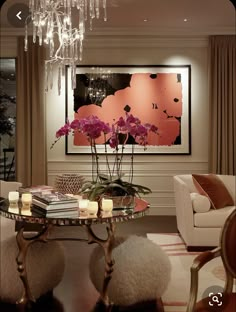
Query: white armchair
200	228
7	186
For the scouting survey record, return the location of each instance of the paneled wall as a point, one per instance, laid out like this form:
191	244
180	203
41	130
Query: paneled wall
154	171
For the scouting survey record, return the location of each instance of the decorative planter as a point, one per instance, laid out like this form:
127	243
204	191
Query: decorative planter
69	183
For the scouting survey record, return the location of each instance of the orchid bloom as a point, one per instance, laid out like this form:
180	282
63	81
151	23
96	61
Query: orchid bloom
93	128
65	130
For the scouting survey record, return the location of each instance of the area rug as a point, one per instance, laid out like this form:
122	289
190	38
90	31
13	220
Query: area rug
176	296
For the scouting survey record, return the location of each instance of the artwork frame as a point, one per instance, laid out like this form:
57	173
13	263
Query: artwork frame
182	79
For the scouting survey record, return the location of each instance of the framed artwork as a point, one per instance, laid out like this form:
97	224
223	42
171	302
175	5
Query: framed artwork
157	94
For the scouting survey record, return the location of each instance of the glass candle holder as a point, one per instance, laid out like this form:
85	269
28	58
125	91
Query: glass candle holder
92	209
26	200
13	198
107	205
83	207
105	214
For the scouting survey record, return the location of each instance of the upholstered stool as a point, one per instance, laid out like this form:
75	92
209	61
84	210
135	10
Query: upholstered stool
45	264
141	271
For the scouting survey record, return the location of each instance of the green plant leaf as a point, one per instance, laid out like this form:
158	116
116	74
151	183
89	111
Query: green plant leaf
114	186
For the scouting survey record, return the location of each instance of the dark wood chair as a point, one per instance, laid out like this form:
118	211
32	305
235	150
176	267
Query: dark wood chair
227	251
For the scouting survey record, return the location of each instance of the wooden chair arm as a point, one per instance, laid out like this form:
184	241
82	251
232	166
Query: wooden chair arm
198	263
205	257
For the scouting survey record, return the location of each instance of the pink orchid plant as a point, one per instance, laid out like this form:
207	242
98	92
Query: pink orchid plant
116	136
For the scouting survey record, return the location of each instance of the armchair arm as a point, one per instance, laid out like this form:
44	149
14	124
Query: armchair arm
184	210
198	263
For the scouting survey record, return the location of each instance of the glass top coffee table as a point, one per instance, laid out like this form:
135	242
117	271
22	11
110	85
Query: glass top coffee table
141	208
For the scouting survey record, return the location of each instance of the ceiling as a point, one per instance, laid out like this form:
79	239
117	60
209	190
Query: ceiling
164	17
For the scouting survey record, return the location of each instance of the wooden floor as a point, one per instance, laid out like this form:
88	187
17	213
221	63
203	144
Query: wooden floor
76	293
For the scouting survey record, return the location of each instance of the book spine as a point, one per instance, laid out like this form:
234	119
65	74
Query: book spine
54	202
59	206
63	214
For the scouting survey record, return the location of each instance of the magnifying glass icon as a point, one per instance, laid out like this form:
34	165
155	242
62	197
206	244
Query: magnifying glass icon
215	299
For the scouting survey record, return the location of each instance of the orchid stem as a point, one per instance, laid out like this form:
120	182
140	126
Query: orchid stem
96	158
132	165
107	160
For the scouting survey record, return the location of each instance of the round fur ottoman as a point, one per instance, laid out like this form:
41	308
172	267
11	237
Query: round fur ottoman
141	271
45	264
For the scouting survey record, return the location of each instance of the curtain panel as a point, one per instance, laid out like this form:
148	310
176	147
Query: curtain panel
222	140
31	158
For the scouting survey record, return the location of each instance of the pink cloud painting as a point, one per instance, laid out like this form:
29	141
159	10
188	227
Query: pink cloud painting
153	98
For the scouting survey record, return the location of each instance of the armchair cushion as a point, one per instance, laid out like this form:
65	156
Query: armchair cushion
212	187
200	203
212	218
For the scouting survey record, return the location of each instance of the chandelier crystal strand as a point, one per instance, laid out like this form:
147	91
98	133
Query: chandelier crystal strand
46	76
59	80
51	76
26	38
56	24
97	9
105	10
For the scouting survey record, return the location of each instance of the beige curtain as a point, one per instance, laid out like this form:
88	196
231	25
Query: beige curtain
31	159
222	140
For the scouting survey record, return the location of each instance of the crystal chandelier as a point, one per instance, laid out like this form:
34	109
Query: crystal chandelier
60	24
98	85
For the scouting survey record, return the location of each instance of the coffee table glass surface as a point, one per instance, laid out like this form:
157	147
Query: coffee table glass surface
141	208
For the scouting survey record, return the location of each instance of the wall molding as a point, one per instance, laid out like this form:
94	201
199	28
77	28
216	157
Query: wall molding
171	32
136	162
158	174
124	38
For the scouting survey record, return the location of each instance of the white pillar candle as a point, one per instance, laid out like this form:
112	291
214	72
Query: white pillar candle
92	208
26	200
83	203
13	210
83	207
13	198
107	205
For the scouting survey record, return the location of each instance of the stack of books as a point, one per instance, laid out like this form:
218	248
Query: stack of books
55	205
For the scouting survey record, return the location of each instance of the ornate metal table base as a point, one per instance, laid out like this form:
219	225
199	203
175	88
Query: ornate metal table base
24	243
109	262
141	208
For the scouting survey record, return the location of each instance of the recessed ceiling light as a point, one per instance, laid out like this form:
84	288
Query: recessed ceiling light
185	20
145	20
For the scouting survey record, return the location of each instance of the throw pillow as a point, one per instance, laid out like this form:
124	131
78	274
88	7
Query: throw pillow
212	187
200	203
